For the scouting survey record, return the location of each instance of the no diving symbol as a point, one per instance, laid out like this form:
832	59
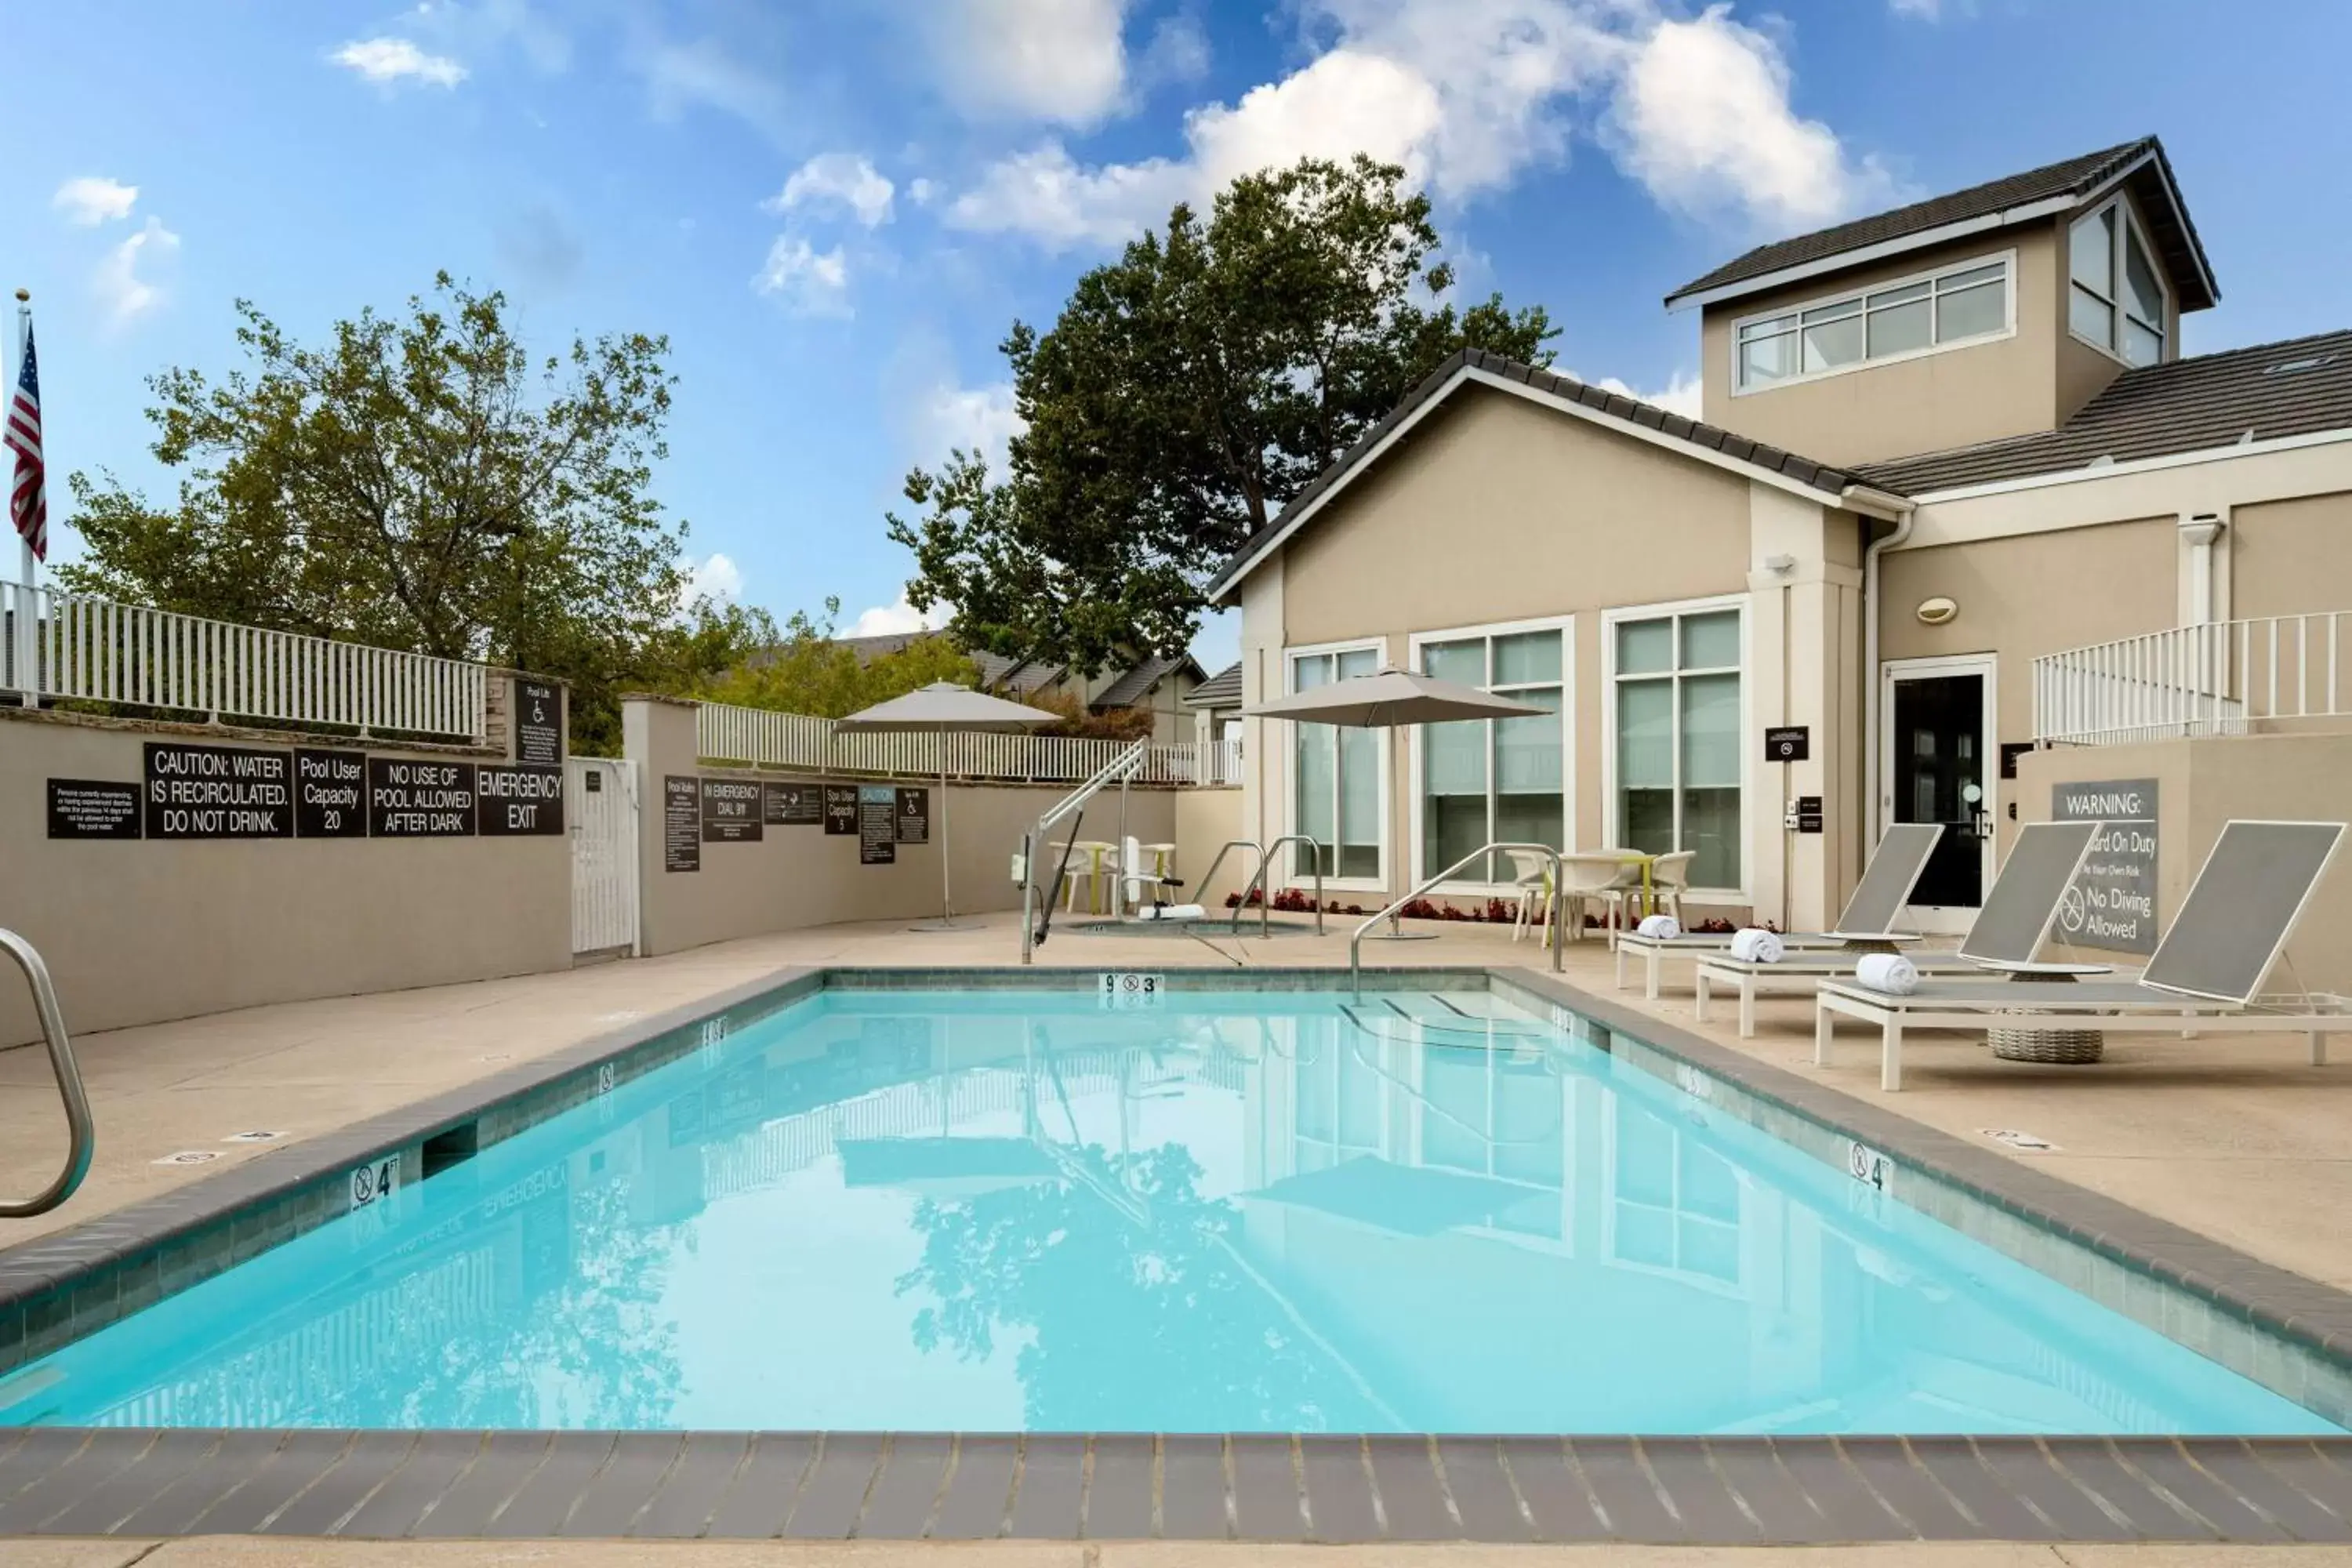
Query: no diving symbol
2071	912
1133	982
364	1184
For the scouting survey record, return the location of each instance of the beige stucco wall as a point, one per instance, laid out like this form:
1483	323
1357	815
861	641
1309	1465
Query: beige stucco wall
802	875
2001	387
141	930
2291	557
1206	820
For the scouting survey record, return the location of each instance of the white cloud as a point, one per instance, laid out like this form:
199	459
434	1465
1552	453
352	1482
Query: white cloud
123	283
981	419
809	283
884	620
920	191
1466	95
710	75
388	61
1925	10
1681	395
1059	60
716	578
837	179
92	199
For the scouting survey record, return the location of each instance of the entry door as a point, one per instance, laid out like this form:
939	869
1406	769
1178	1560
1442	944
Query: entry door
600	802
1937	724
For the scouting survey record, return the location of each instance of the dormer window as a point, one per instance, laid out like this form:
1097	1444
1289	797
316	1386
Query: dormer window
2116	298
1909	317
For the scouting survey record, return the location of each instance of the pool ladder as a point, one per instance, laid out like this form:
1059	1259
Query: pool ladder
82	1139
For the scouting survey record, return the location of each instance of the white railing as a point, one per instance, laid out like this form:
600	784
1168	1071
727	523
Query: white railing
759	738
69	648
2225	677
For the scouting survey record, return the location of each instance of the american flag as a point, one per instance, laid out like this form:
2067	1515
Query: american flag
28	499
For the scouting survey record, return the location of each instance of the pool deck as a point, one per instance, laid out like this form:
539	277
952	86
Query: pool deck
2236	1137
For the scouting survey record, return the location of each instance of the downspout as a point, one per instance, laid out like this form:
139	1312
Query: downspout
1876	502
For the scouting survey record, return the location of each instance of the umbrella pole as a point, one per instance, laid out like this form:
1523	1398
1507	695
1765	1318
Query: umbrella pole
947	900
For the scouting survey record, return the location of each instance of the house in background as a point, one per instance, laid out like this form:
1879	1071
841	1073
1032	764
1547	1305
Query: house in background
2027	546
1156	684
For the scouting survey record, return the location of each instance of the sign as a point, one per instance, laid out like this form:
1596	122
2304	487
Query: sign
792	806
877	825
373	1182
93	808
840	808
519	802
218	792
539	724
1789	743
1868	1166
1121	990
913	816
419	800
331	795
730	812
1809	814
596	780
2112	904
681	823
2010	752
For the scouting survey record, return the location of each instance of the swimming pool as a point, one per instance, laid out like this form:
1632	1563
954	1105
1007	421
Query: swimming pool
1214	1212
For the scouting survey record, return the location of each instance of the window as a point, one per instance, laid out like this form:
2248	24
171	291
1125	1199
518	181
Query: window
1915	316
1487	780
1677	760
1339	1099
1484	1112
1675	1203
2114	297
1336	791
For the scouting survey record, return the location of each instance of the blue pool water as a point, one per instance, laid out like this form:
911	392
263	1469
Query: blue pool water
1240	1212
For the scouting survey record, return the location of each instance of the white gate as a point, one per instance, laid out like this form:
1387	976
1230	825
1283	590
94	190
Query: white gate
602	797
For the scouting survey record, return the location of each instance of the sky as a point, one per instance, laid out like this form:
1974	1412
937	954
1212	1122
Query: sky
834	209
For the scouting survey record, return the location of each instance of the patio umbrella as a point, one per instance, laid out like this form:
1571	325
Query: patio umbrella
942	709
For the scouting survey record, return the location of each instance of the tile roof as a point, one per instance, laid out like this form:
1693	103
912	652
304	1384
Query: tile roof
1704	437
2297	387
2172	233
1136	684
1222	689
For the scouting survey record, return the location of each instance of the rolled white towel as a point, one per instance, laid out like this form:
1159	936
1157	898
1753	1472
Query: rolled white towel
1663	927
1888	972
1754	944
1171	913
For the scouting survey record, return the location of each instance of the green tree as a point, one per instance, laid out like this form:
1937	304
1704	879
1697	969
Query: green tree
1187	392
809	669
420	482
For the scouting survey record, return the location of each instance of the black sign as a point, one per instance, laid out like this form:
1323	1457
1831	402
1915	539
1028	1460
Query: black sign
730	812
93	808
2112	903
419	799
1809	814
2010	752
539	724
914	816
877	825
517	802
840	808
681	824
1789	743
595	779
793	806
218	792
331	795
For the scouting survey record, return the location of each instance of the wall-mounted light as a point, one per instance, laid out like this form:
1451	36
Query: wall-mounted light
1937	611
1779	565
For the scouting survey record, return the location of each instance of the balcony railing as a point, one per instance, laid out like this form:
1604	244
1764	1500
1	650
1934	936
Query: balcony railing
2225	677
757	737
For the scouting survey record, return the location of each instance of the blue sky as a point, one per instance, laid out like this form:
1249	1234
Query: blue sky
835	207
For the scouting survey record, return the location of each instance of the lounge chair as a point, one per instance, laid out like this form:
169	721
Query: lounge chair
2210	968
2007	935
1868	916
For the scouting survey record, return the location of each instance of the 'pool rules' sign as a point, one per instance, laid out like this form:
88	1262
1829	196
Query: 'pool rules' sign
2112	904
681	823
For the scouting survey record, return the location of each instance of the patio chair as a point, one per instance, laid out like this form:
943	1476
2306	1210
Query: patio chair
1588	879
1868	917
1531	875
2007	934
2210	968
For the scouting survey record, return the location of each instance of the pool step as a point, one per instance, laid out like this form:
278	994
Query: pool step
1464	1015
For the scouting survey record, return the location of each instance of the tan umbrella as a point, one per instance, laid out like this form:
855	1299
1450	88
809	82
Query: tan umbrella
1389	699
942	709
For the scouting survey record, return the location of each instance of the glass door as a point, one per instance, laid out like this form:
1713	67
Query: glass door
1937	718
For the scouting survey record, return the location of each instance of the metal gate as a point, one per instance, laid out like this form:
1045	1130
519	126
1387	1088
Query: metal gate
601	795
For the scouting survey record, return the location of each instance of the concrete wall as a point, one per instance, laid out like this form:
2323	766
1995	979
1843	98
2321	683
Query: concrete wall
1206	820
141	930
2202	784
2291	557
802	875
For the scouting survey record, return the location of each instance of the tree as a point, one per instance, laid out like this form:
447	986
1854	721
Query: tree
809	670
1187	392
420	483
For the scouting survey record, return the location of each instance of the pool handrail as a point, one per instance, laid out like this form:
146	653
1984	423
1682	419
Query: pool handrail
81	1136
1558	945
1118	770
1263	885
1227	847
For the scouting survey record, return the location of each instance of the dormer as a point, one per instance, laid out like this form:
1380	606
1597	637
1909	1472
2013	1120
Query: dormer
1997	310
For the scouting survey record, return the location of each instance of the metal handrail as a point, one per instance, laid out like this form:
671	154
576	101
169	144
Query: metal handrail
1559	877
1263	885
82	1138
1228	846
1118	770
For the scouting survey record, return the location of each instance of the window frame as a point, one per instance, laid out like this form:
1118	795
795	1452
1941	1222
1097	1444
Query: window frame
1561	1243
1284	876
1612	828
1415	761
1858	297
2128	231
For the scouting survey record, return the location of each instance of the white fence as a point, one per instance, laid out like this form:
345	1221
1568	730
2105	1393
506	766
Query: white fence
2221	679
71	648
759	738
